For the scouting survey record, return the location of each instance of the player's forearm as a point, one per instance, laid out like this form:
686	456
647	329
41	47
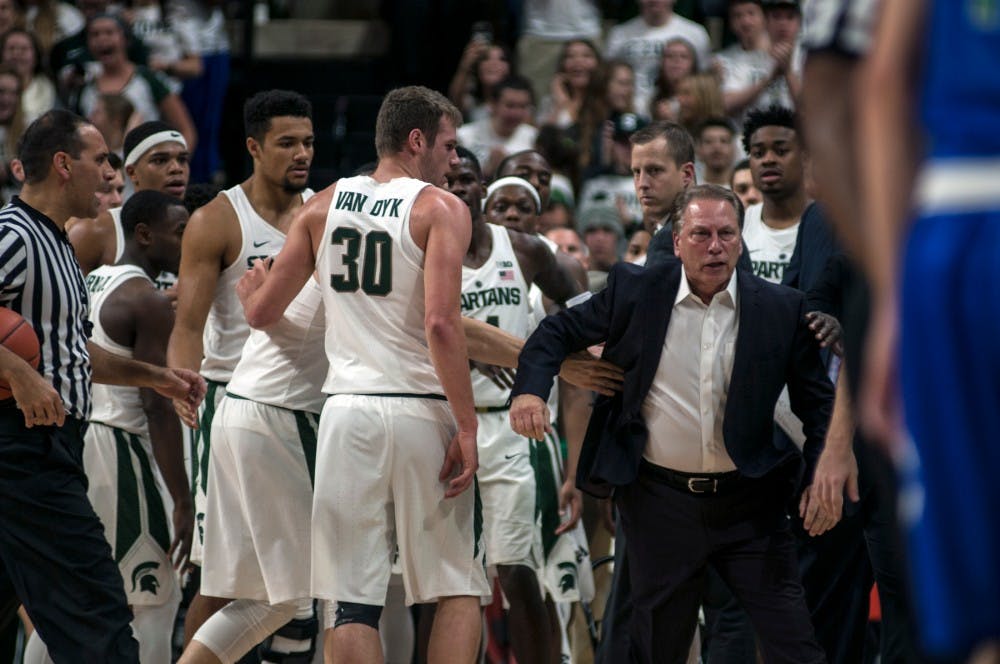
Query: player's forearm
575	406
449	354
490	345
168	445
840	435
112	369
185	349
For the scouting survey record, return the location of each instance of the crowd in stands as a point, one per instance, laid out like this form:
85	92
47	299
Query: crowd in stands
119	64
581	89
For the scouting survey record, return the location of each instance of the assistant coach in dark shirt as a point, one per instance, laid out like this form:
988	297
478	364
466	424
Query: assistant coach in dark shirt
687	446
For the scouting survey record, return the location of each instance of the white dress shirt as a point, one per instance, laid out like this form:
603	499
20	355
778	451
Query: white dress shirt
686	404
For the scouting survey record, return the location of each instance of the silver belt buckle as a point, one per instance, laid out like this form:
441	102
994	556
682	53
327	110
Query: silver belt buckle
692	487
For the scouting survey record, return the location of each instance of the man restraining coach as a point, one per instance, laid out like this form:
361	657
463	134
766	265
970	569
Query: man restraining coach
687	447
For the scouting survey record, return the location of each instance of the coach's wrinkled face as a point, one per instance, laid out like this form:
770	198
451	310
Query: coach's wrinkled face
707	240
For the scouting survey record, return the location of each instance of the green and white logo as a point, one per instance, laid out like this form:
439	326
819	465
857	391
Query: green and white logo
143	576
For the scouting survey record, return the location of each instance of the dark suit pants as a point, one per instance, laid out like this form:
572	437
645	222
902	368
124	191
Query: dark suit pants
53	555
742	532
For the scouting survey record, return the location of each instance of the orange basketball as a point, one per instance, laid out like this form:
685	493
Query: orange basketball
17	336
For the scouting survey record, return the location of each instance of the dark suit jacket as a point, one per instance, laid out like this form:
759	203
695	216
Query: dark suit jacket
773	347
814	245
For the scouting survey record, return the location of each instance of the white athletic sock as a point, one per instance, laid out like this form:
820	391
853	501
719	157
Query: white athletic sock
242	624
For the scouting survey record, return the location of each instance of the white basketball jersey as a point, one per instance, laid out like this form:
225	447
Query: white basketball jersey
373	288
226	328
497	293
285	364
114	405
164	280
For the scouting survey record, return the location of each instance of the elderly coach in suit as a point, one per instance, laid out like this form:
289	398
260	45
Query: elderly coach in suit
687	447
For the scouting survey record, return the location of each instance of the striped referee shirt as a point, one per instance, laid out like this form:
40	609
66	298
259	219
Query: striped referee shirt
41	280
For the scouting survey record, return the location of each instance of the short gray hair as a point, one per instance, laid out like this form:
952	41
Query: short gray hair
711	192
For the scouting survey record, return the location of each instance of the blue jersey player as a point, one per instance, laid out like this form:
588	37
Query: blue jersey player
930	124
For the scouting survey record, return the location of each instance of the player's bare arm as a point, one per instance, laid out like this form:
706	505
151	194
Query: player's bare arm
211	242
93	241
575	407
154	318
181	384
491	345
888	166
542	267
440	223
266	291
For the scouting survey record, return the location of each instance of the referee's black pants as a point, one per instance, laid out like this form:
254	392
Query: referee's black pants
53	554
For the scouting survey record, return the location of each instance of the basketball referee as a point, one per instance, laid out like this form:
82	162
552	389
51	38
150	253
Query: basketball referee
53	555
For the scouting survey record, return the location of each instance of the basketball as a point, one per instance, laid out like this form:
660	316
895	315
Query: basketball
17	336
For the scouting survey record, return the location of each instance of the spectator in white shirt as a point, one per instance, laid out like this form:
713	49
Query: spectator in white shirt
506	130
640	42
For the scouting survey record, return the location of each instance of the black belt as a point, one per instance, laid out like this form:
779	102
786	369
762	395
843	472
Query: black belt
696	483
492	409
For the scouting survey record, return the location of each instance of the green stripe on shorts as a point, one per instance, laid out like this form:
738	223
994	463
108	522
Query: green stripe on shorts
156	514
202	443
129	522
307	424
477	517
547	505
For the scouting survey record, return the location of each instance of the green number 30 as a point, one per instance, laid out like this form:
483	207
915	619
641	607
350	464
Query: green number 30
376	264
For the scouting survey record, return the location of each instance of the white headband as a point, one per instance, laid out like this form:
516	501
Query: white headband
514	181
166	136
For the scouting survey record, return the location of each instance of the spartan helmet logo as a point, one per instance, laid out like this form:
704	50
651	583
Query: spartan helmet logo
568	579
143	574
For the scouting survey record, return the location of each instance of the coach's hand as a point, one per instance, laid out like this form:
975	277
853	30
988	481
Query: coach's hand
529	416
462	457
584	370
35	397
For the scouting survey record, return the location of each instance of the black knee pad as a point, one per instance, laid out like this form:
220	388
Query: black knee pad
296	629
363	614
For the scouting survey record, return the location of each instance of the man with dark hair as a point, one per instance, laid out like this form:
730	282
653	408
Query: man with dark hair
506	129
397	451
223	238
49	529
715	150
134	429
156	158
741	182
662	167
777	162
687	446
530	165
